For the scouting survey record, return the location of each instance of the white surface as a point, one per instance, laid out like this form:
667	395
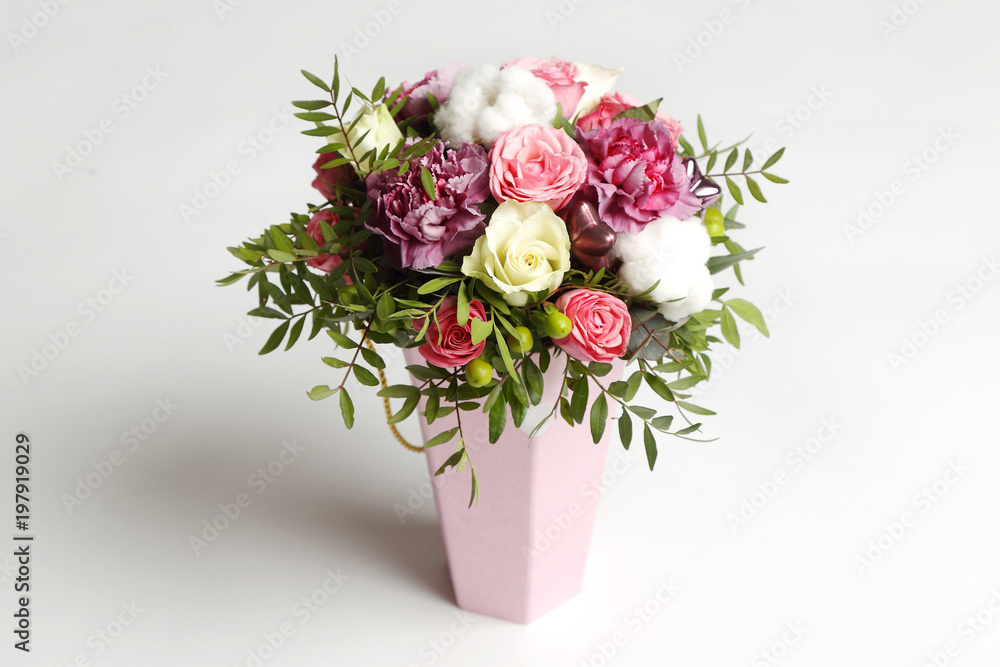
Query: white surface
163	337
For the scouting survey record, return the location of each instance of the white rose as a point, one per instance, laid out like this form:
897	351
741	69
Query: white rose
524	250
381	132
673	252
599	80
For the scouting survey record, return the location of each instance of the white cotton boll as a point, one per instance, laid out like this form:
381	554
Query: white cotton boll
485	101
674	253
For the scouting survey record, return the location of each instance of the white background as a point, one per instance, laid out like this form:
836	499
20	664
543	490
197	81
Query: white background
853	105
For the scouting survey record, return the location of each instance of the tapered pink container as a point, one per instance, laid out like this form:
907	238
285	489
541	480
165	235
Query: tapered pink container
522	550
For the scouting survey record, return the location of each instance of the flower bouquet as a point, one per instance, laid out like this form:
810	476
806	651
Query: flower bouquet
522	232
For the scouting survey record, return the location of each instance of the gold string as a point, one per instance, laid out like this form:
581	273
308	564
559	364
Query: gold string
388	408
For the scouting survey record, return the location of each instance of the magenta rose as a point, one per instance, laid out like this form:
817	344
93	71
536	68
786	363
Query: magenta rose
561	76
327	180
601	325
612	104
634	175
324	263
536	163
437	83
448	343
420	232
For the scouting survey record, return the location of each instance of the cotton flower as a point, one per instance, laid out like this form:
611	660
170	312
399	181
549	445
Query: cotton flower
673	252
484	101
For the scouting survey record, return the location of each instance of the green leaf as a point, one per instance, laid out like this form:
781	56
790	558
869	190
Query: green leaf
755	190
372	358
720	263
365	376
599	369
275	338
690	429
747	159
598	417
685	382
311	105
341	340
427	180
279	256
662	423
347	409
379	91
508	361
498	419
408	406
452	461
773	159
441	438
696	409
533	380
625	429
701	134
278	297
264	311
634	382
333	362
749	313
230	279
315	116
581	397
657	384
315	80
731	159
319	392
773	178
296	332
386	307
462	306
436	284
641	412
729	330
650	442
734	190
399	391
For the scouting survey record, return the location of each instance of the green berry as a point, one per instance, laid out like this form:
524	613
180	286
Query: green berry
523	342
478	373
713	222
558	325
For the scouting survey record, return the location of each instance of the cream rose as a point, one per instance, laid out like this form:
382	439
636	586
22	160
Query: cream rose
382	131
524	251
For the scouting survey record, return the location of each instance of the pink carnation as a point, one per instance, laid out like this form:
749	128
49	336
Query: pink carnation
437	83
561	76
536	163
634	175
601	325
612	104
448	343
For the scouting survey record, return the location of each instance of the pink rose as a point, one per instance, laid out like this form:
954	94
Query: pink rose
561	76
450	345
536	163
324	263
613	104
327	180
601	325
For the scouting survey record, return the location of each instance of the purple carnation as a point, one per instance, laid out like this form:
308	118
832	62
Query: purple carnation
634	176
438	83
421	232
